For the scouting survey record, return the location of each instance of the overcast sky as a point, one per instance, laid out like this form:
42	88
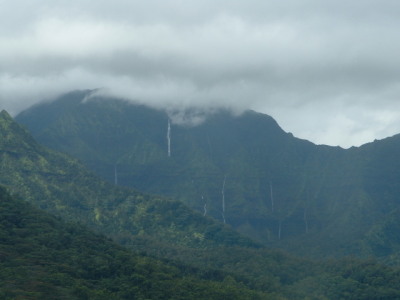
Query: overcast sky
327	71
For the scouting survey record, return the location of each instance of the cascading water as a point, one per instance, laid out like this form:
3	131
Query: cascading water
205	206
223	200
169	137
272	196
115	175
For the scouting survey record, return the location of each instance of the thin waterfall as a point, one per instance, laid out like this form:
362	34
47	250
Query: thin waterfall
115	175
223	200
272	196
280	230
205	206
305	219
169	137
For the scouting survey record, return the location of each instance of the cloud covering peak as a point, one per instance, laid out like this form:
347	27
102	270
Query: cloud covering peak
327	71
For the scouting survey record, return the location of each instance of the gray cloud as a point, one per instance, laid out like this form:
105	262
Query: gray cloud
327	71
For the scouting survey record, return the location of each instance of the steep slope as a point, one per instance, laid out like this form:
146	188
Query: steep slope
43	258
62	186
244	170
381	181
259	167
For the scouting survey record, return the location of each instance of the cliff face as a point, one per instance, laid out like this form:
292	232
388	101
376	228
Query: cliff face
243	170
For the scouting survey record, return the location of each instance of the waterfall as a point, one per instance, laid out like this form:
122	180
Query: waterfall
305	219
280	230
205	206
272	196
169	137
115	175
223	200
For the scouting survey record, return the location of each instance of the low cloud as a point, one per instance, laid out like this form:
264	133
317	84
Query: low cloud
326	71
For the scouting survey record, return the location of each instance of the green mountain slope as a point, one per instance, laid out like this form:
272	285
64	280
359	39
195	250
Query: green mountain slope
269	185
43	258
148	224
251	154
61	185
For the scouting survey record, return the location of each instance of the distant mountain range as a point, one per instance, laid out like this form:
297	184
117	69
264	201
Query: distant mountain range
243	170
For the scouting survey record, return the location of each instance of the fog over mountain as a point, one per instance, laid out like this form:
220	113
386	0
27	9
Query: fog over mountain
326	71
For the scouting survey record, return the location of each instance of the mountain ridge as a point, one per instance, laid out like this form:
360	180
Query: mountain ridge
246	171
61	185
41	257
246	265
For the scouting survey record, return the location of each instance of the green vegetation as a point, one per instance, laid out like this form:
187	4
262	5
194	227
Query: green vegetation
43	258
61	185
284	192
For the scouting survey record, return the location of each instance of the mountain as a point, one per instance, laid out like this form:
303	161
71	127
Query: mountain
243	170
61	185
146	224
111	135
44	257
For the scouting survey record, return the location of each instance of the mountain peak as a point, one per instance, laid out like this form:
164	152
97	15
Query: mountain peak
13	136
6	122
4	115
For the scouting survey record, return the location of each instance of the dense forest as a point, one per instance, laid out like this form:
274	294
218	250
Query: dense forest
313	200
61	185
42	257
134	245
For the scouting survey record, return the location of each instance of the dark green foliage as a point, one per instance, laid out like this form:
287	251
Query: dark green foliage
283	191
62	186
44	258
224	265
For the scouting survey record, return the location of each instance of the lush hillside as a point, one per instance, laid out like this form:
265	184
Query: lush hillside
42	257
61	185
247	157
244	170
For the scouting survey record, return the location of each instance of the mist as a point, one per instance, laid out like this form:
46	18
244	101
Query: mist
327	72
